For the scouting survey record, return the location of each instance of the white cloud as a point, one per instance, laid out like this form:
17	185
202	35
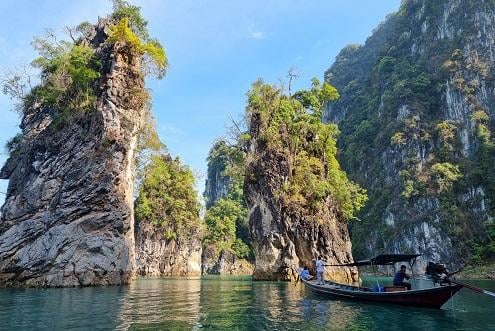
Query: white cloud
255	33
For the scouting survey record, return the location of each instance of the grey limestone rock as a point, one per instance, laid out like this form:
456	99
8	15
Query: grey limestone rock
224	263
285	238
452	43
158	256
68	215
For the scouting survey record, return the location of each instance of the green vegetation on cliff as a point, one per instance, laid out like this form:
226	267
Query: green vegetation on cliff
226	218
69	70
410	100
167	198
68	73
130	30
292	125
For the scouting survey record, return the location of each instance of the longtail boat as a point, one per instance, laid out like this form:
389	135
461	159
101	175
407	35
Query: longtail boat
433	297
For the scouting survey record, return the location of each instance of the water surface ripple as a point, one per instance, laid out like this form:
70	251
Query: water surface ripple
227	303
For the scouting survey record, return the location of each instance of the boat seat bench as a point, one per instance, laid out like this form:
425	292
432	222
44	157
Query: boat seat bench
395	288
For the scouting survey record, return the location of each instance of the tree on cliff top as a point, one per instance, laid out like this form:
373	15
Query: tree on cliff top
292	126
68	70
167	198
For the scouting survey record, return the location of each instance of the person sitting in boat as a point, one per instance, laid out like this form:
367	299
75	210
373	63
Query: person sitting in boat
320	269
304	274
399	278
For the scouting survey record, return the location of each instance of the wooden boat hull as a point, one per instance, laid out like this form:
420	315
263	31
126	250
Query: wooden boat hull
433	297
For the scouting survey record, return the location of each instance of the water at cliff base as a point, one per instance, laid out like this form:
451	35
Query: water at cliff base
227	303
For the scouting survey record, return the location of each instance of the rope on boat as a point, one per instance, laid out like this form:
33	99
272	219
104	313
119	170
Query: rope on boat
474	288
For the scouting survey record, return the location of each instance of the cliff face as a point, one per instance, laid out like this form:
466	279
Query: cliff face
217	186
287	230
217	181
227	263
167	227
416	116
227	233
68	215
158	256
283	240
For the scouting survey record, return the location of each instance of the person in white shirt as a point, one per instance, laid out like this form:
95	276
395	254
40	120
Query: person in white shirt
320	269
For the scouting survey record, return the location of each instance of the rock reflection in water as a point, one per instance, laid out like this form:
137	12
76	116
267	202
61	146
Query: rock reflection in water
90	308
154	303
227	303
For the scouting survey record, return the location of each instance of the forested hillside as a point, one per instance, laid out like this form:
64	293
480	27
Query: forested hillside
417	118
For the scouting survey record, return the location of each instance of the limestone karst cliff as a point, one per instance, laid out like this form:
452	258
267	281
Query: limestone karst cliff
417	119
226	246
217	181
159	256
224	263
167	227
68	216
298	198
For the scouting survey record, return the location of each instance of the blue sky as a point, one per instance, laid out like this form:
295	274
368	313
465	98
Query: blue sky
216	49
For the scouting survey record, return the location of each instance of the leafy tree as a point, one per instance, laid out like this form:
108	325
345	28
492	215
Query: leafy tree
13	143
445	175
131	31
123	9
221	220
226	218
167	198
292	124
398	139
241	249
68	72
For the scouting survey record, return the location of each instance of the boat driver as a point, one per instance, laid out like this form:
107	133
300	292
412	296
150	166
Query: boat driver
320	269
399	278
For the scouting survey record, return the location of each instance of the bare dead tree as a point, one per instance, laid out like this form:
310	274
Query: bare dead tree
235	125
234	131
292	75
71	32
51	35
16	84
281	82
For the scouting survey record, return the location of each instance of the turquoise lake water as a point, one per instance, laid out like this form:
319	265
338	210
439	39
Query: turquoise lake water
228	303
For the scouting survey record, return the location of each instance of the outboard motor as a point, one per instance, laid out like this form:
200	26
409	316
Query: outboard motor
438	273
